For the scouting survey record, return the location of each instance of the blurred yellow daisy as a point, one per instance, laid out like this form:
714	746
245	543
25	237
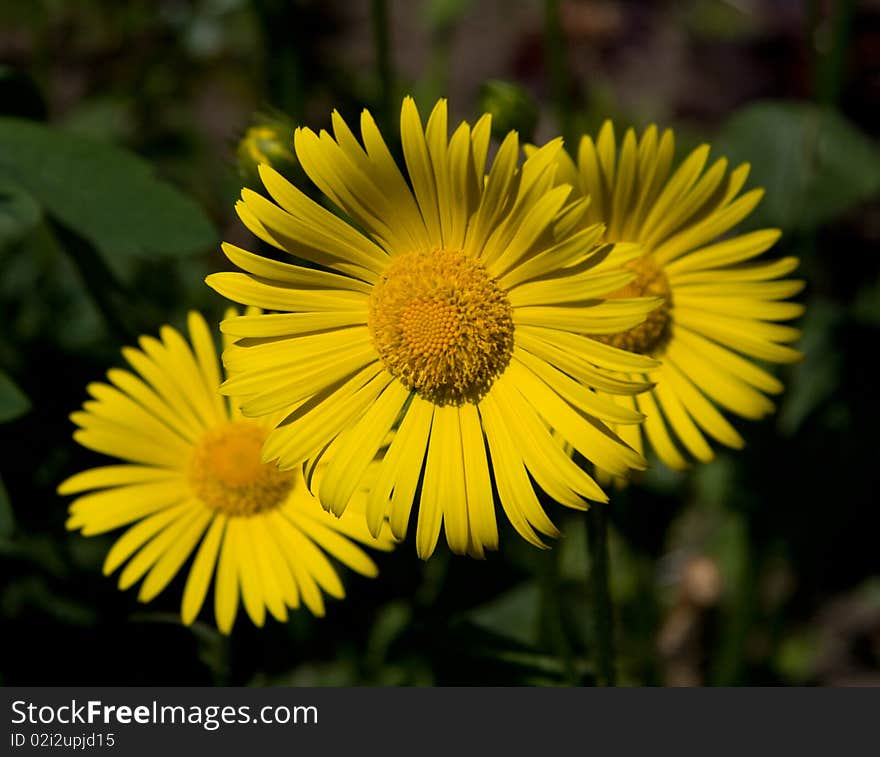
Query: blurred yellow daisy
451	306
193	482
720	311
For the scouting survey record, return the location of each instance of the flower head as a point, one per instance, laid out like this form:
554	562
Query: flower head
451	306
192	481
721	310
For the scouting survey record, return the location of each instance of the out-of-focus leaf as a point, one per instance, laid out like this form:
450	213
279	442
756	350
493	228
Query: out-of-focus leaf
812	162
19	213
213	650
34	592
816	378
105	194
7	520
390	623
523	662
63	310
511	106
155	616
515	614
42	552
13	402
105	118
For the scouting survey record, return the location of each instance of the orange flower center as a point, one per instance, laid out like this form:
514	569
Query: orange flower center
226	473
651	336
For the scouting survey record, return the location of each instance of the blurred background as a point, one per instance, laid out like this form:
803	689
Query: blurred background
119	167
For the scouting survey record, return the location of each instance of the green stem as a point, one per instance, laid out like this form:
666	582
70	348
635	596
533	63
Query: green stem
556	61
379	17
738	614
602	606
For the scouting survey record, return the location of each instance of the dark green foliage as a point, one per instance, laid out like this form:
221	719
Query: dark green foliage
13	402
19	213
812	162
107	195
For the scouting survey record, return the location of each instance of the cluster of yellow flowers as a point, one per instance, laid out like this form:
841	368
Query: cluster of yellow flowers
446	343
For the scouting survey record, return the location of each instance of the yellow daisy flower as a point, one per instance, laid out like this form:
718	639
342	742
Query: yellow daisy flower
451	306
192	481
720	309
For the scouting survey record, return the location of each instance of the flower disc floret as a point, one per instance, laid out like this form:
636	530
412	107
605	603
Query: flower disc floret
650	336
226	473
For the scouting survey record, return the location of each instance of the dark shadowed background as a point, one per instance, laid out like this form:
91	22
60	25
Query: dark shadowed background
760	568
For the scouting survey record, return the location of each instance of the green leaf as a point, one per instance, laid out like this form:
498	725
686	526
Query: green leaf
19	212
13	402
813	163
511	106
35	592
42	553
105	194
543	663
